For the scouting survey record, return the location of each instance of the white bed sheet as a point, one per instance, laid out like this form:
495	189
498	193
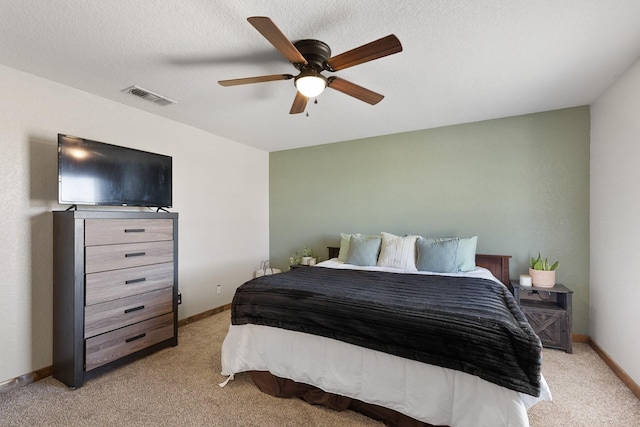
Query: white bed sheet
425	392
479	272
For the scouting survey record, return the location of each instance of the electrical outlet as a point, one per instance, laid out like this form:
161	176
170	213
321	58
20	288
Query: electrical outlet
219	289
179	298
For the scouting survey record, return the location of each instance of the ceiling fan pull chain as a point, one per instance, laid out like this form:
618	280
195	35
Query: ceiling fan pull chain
315	102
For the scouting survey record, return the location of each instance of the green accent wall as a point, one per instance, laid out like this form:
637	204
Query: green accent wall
521	184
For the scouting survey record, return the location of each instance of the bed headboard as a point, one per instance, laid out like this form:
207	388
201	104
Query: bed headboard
498	265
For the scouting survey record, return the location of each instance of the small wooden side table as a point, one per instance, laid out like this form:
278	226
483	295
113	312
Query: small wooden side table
548	311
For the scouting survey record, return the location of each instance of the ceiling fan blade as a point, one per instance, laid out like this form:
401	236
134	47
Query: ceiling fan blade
271	32
352	89
368	52
260	79
299	104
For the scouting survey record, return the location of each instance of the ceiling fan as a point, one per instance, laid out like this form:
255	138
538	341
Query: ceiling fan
311	57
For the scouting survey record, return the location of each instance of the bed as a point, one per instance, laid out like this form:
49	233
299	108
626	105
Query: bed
308	333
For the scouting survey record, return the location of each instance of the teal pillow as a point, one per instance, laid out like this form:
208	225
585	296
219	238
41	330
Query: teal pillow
466	252
363	250
437	255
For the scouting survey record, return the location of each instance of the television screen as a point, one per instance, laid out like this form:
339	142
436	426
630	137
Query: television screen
95	173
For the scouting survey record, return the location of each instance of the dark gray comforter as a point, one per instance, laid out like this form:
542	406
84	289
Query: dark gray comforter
468	324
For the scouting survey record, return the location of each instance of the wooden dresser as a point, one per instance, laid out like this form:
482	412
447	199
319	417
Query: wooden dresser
115	289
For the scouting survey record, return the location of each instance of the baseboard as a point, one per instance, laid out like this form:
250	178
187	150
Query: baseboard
25	379
204	315
580	338
620	373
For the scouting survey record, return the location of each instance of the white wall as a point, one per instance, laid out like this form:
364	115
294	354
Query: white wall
615	221
220	191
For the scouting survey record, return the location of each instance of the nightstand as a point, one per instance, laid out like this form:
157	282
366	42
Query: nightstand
548	311
291	267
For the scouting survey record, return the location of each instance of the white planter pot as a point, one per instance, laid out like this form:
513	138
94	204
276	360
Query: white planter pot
543	279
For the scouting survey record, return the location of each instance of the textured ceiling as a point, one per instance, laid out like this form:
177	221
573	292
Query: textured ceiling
463	61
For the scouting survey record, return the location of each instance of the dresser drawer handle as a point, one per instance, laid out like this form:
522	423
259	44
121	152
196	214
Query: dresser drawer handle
131	310
128	282
134	230
137	337
135	254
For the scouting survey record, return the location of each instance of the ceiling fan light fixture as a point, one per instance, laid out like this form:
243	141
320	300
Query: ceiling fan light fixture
311	84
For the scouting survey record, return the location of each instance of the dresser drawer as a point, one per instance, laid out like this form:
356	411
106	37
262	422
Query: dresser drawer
108	347
113	257
107	316
114	231
109	285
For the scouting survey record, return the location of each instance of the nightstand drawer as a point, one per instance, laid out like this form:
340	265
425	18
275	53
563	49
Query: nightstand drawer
113	257
105	317
549	325
107	347
109	285
114	231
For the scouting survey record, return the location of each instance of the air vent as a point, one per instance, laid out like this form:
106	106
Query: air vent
149	96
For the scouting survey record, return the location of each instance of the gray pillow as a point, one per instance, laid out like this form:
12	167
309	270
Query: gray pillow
439	256
363	250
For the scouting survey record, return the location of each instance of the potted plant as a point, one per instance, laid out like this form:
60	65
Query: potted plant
308	256
542	272
295	259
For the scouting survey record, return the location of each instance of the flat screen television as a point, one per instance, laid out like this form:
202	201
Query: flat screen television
96	173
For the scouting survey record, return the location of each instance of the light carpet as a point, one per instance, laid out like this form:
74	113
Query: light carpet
179	386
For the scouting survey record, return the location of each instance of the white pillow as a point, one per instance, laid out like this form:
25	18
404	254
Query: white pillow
398	252
344	246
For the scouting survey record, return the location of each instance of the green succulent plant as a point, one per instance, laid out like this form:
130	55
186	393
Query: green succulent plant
543	264
295	259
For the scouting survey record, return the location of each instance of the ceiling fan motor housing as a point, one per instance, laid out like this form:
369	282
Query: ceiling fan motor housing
315	52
